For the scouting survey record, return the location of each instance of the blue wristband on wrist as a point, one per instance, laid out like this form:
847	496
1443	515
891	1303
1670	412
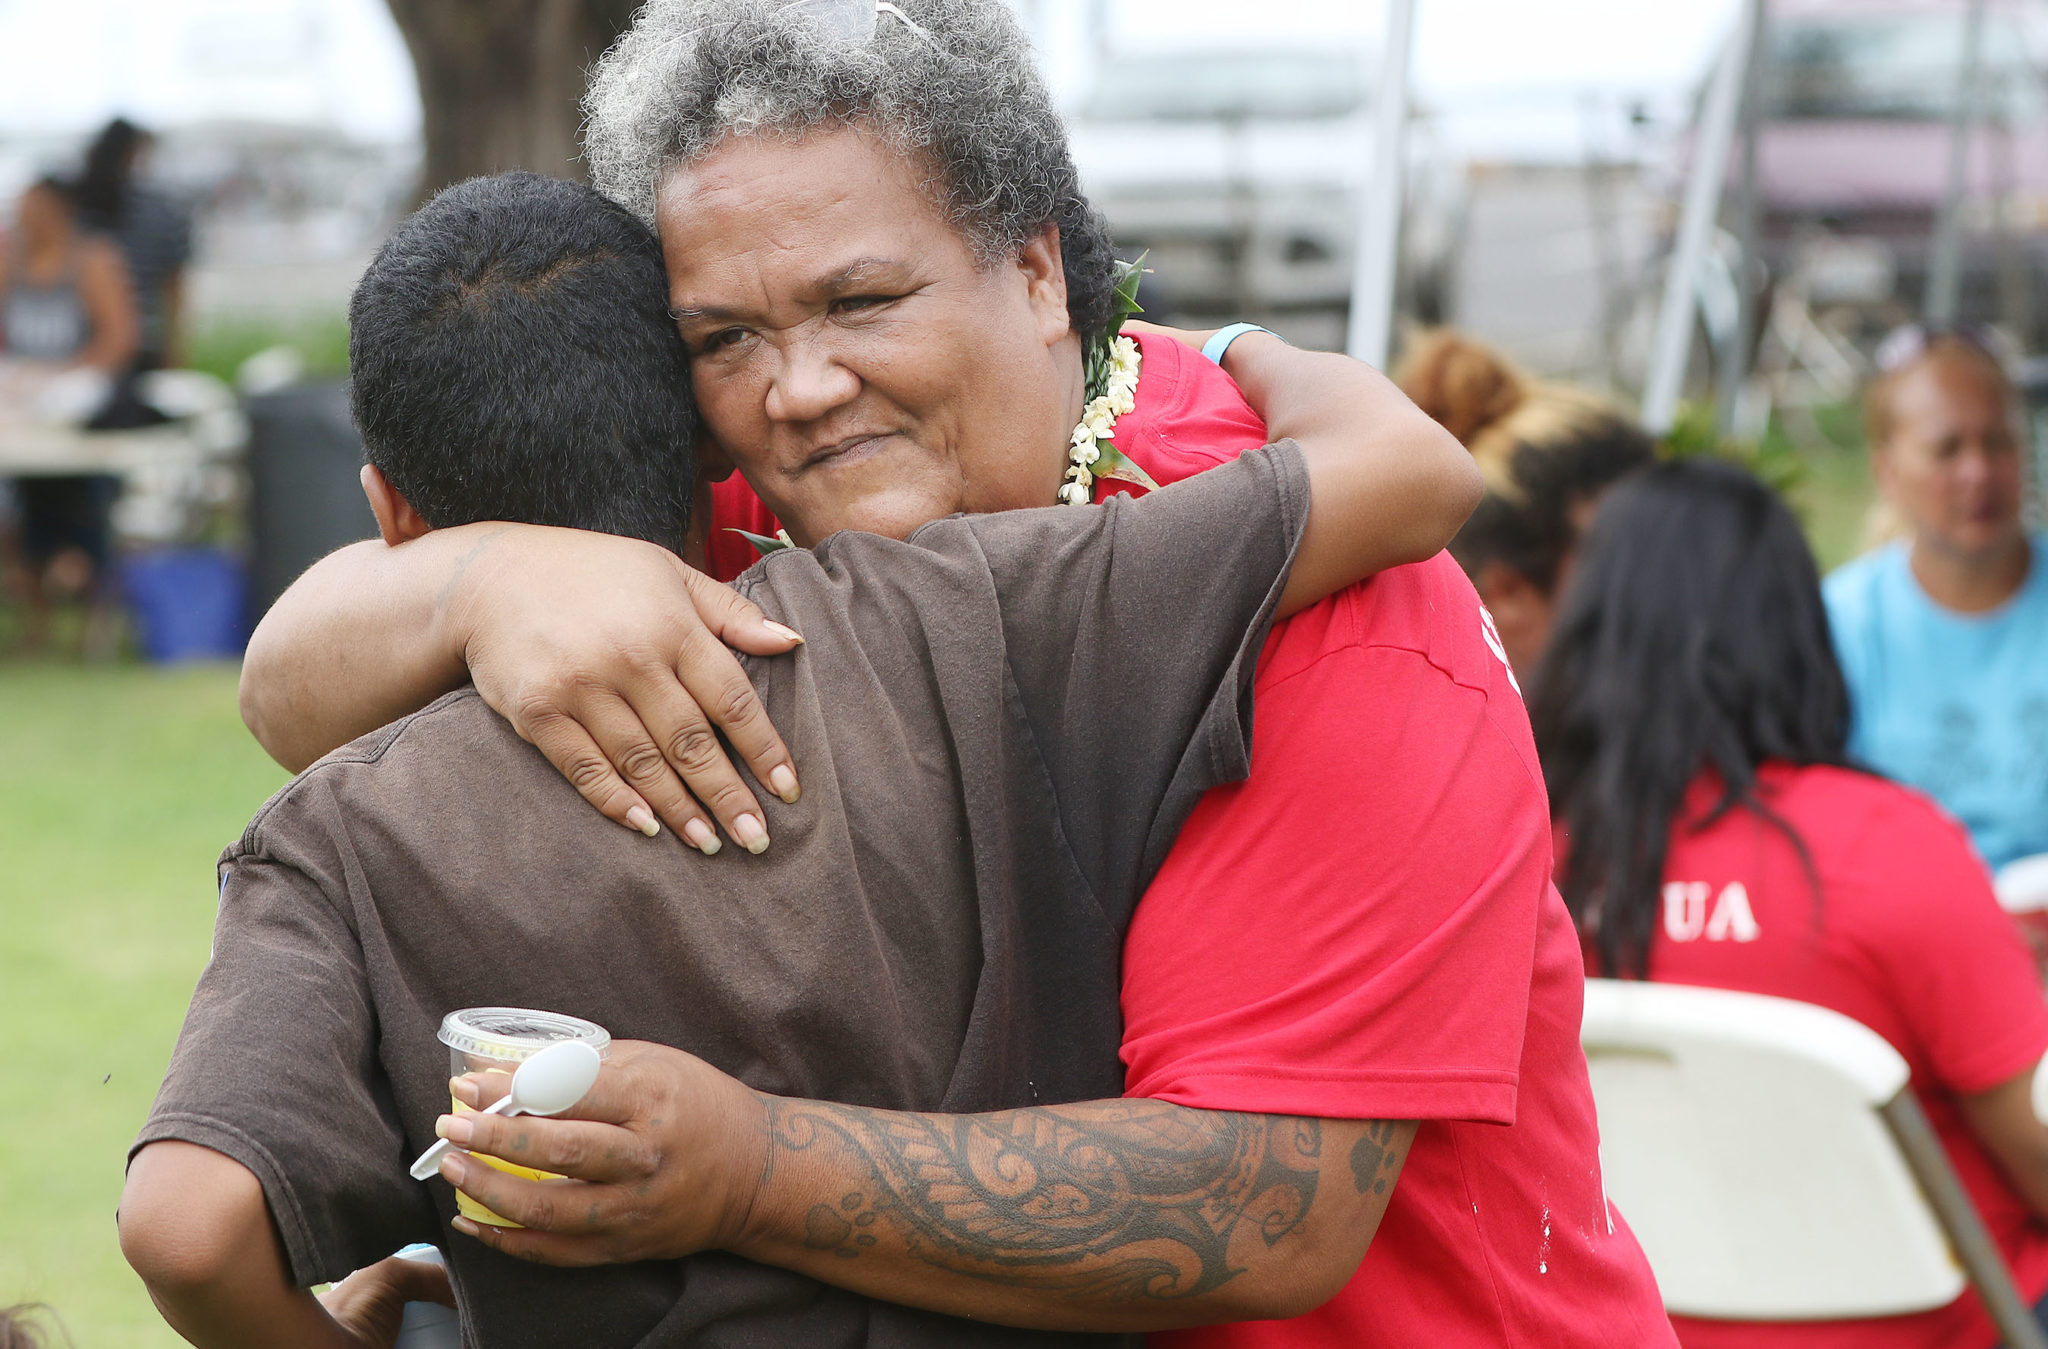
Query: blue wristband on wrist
1220	342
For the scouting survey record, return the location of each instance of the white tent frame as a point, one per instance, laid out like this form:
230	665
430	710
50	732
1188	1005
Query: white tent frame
1377	263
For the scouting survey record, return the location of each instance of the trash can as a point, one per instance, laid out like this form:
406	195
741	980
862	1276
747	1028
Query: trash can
187	603
305	495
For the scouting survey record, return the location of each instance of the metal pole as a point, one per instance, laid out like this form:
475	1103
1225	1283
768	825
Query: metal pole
1945	265
1378	256
1741	347
1672	345
1974	1248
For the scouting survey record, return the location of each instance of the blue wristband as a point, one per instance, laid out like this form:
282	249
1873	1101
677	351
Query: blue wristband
1220	342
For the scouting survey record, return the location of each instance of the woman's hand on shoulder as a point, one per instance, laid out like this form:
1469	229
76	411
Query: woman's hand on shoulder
610	656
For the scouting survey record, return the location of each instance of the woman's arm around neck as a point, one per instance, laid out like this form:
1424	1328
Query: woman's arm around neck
1388	486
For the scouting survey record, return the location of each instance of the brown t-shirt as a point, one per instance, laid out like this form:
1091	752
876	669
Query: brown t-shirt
936	927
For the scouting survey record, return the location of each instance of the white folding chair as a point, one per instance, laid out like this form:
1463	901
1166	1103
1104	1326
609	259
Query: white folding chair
2022	886
1774	1165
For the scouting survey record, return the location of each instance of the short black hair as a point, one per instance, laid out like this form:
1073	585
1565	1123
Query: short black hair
512	358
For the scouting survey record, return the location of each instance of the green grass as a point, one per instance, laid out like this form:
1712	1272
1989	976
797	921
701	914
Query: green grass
118	788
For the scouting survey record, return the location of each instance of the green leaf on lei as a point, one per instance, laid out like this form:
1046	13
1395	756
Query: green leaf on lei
1101	359
1123	303
765	545
1115	464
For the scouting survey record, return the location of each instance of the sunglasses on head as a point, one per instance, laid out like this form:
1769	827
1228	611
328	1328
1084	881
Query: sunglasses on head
1903	346
851	21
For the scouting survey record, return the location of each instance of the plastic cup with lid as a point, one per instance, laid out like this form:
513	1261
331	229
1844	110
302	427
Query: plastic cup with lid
498	1040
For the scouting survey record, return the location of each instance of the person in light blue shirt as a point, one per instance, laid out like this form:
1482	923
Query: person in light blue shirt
1943	635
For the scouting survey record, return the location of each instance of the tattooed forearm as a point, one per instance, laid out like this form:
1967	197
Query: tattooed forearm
1115	1200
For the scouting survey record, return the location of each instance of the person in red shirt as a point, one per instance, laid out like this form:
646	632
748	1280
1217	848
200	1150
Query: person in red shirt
1498	1231
1357	1006
1357	1003
1693	724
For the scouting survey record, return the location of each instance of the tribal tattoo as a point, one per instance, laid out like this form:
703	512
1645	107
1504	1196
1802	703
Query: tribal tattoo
1126	1200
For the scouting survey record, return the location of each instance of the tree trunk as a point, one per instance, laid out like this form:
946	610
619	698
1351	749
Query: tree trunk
500	80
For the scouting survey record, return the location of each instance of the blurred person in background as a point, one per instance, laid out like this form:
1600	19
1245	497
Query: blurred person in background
65	304
1943	634
1693	726
153	232
1548	452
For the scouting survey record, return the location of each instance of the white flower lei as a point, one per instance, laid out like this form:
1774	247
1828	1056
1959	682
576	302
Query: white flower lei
1098	423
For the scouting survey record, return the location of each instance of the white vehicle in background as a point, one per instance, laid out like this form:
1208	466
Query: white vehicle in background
1240	173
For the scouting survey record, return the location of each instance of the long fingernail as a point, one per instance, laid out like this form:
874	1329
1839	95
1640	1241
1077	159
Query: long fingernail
455	1129
783	630
702	837
453	1169
784	782
463	1090
641	818
465	1226
750	832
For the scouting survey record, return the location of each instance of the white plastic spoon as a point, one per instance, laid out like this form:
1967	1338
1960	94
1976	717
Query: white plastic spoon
546	1084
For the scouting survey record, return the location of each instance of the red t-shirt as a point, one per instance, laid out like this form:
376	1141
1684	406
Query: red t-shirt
1905	938
1365	929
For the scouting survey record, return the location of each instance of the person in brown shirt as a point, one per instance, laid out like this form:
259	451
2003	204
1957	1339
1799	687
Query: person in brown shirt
935	931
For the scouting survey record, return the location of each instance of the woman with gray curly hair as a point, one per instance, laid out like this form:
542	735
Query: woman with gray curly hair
898	305
715	120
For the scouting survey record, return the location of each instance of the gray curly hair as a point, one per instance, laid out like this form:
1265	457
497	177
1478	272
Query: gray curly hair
691	73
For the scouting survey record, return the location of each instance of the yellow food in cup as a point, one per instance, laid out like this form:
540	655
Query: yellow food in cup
468	1207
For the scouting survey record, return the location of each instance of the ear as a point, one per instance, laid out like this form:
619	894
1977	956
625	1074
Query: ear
397	521
1045	284
1522	613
